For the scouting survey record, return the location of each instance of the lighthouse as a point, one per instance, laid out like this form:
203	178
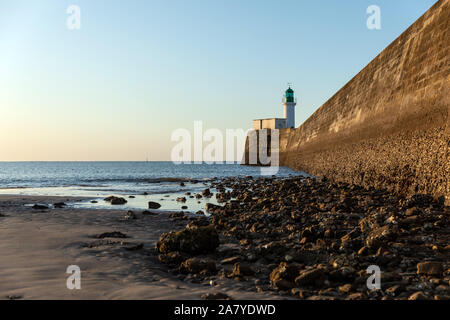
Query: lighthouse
288	122
289	103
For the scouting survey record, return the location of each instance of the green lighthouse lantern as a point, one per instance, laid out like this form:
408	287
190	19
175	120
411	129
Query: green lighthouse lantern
289	95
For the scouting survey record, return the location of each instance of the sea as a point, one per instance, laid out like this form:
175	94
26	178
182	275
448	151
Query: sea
137	182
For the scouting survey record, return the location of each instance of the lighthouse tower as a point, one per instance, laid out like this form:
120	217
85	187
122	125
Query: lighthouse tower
289	103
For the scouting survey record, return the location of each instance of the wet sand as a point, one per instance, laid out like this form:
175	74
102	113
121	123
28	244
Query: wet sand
37	246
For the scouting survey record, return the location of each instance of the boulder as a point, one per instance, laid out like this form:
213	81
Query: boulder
283	276
215	296
130	215
312	277
201	240
149	213
59	205
116	200
113	234
153	205
40	207
174	258
198	265
419	295
430	268
211	208
380	236
243	270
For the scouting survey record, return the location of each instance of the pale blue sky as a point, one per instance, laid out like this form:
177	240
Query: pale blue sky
137	70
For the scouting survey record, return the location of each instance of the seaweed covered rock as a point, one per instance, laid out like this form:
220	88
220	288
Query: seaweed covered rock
200	240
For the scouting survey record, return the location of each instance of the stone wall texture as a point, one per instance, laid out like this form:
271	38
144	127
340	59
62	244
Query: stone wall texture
388	127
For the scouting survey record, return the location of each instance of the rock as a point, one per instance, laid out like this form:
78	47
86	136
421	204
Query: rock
134	247
380	236
94	201
153	205
130	215
430	268
178	216
412	211
40	207
113	234
346	288
198	265
131	197
419	295
395	290
356	296
211	208
197	222
116	200
182	184
206	193
283	276
200	212
149	213
363	251
184	207
172	258
243	270
201	240
181	199
215	296
59	205
231	260
314	277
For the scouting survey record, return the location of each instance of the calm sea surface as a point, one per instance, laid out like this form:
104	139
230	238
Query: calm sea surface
160	180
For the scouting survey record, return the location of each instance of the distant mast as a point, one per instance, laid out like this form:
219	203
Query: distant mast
289	103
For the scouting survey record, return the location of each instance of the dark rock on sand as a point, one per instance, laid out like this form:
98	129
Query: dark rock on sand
149	213
40	207
153	205
201	240
130	215
216	296
134	247
116	200
113	234
198	265
173	258
59	205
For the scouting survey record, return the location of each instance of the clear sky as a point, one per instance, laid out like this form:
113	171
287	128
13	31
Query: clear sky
139	69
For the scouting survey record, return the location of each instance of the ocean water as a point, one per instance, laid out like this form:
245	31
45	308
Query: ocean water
97	180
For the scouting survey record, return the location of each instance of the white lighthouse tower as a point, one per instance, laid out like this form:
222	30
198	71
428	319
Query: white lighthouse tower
289	103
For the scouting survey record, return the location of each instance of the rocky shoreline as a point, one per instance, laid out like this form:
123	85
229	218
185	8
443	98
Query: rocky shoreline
313	239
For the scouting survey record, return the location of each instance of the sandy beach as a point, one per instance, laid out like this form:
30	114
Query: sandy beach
36	247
